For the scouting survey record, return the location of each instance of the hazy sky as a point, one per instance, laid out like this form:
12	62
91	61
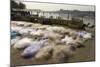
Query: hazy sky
54	7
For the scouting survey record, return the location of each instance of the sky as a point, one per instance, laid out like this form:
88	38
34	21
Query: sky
55	7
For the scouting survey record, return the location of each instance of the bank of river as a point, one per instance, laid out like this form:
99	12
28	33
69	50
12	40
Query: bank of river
82	55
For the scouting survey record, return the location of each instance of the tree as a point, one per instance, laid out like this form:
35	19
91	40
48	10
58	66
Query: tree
13	4
22	6
16	5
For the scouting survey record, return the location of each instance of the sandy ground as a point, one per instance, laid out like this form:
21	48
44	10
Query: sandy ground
82	55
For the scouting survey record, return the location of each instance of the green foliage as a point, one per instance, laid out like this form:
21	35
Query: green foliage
16	5
22	6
